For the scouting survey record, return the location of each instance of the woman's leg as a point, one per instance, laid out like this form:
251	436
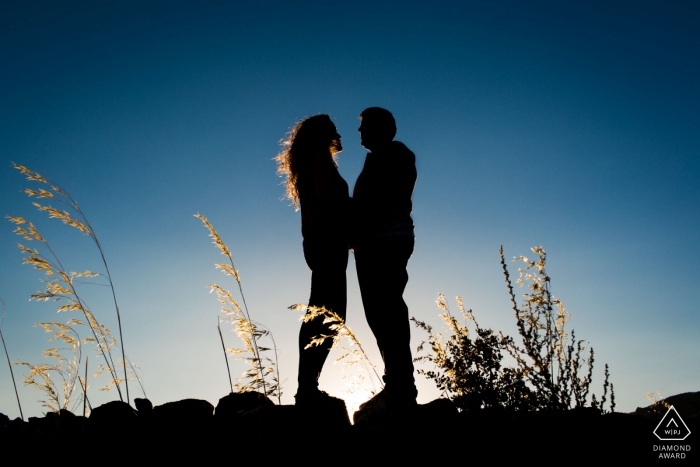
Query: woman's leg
328	289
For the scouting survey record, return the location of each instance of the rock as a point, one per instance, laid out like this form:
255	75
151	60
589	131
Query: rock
63	415
184	411
375	415
111	417
586	413
245	414
4	420
44	425
237	402
179	428
18	424
69	425
330	413
438	409
372	413
17	434
144	406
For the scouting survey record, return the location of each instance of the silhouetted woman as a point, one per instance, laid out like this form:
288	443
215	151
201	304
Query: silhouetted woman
314	184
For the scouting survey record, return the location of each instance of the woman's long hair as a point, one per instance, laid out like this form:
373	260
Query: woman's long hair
303	142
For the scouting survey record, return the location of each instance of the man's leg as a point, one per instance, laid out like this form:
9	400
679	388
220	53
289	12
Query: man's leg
381	271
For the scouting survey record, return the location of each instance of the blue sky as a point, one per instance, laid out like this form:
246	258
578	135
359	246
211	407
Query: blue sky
567	125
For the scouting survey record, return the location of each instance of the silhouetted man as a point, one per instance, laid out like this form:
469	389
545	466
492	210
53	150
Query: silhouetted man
383	244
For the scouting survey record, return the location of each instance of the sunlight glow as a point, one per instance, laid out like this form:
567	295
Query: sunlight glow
354	399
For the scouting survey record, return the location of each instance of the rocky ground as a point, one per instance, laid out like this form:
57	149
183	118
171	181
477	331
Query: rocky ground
250	427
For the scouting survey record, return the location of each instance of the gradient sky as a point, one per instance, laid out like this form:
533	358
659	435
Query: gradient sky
571	125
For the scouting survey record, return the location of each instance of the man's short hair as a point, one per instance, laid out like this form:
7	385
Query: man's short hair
382	120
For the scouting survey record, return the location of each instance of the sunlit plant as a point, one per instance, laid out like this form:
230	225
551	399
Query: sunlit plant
658	406
66	369
262	374
62	285
551	371
468	366
351	355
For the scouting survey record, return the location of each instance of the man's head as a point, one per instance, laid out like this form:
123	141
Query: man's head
377	128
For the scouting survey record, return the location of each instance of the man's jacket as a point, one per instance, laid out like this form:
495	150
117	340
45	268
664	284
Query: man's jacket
382	194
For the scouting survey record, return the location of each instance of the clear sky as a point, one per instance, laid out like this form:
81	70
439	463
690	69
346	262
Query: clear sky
571	125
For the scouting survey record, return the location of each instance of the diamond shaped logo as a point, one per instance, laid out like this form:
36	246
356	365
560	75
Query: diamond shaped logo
671	427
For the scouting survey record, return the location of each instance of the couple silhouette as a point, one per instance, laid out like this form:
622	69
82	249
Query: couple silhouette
375	223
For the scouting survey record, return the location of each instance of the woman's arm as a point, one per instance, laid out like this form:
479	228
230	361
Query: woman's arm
325	176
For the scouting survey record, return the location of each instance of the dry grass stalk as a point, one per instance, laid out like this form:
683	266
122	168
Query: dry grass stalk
132	373
223	345
7	355
349	356
83	384
277	382
658	404
262	374
61	284
85	387
65	368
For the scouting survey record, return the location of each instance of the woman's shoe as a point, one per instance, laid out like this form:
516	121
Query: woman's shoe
311	397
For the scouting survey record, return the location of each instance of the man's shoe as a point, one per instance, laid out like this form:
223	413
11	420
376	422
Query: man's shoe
400	398
391	399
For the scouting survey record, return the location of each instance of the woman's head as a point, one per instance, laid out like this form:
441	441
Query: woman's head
309	137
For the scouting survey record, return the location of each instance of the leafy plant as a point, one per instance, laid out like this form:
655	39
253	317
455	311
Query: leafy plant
551	371
263	372
469	367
